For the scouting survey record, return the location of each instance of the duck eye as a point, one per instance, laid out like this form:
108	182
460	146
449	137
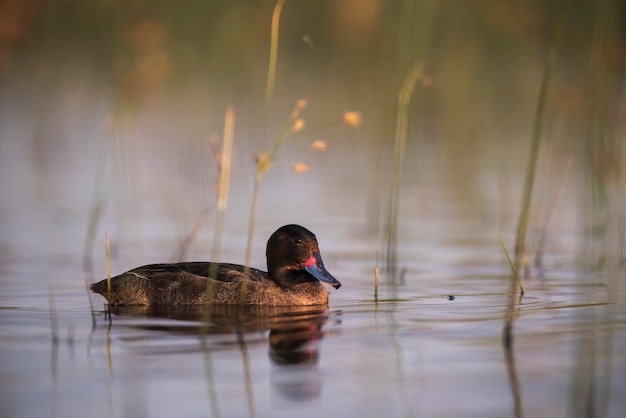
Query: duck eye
297	240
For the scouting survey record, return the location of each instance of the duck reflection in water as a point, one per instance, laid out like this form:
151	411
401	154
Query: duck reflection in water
294	336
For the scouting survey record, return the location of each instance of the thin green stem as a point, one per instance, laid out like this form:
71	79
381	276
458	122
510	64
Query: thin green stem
402	120
269	94
107	247
271	69
531	167
376	274
518	282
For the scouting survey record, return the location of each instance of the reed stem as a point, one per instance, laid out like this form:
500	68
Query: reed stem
402	120
263	163
271	69
269	95
516	278
531	167
108	263
222	196
376	273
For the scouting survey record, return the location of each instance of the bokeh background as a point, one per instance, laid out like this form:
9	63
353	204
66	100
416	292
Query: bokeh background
117	102
109	110
112	118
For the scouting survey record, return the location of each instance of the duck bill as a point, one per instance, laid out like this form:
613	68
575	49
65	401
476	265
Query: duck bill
315	267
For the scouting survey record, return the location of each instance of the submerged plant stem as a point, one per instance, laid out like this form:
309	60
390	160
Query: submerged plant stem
247	373
210	377
507	332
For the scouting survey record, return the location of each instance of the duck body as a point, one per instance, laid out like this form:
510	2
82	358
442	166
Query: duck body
295	269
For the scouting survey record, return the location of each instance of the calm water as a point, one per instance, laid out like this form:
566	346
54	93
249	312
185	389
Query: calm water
414	352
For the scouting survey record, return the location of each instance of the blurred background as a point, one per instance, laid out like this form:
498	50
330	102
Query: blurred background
410	150
109	109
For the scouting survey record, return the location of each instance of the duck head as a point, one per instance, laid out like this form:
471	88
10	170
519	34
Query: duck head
293	257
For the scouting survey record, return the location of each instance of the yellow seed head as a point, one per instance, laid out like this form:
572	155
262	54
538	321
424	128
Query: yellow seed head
352	118
298	124
300	168
319	145
263	162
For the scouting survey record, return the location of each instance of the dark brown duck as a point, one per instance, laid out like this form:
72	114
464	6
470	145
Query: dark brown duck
294	272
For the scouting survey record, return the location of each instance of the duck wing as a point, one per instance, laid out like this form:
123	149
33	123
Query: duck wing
223	272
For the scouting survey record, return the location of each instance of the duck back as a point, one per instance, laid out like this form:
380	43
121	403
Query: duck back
196	283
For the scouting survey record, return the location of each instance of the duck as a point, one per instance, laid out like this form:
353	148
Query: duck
295	272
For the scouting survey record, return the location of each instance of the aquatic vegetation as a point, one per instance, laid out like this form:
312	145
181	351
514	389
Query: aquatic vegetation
414	77
538	126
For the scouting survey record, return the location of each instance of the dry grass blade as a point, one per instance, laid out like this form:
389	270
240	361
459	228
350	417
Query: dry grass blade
222	192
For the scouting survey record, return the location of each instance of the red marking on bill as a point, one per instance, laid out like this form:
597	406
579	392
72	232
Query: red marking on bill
310	262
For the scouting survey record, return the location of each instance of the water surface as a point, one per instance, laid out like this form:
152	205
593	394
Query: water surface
430	346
